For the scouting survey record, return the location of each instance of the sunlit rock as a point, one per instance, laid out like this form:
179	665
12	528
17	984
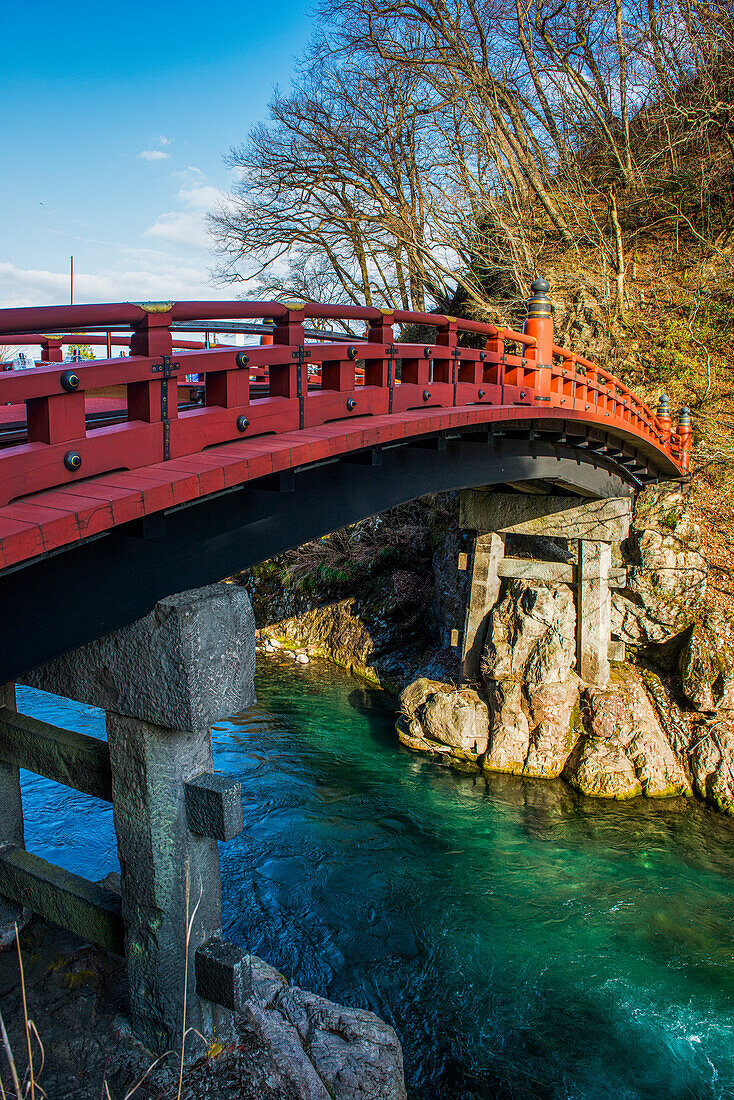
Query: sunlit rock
624	751
532	690
666	572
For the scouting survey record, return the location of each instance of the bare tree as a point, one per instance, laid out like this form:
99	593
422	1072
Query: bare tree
437	152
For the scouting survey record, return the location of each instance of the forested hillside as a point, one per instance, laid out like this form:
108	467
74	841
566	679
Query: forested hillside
436	155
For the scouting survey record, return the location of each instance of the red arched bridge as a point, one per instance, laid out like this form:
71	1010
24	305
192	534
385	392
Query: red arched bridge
128	478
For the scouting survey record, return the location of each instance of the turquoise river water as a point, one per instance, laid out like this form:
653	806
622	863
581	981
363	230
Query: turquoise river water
524	942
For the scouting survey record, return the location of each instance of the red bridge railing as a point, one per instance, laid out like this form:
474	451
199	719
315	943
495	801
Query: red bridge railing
296	382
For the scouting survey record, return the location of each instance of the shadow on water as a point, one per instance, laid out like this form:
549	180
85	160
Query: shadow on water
524	941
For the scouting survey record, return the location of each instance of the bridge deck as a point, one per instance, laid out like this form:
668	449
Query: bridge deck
294	404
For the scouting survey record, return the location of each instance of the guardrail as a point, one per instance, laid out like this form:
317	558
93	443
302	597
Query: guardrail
303	379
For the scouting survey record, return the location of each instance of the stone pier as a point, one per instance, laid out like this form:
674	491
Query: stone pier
592	524
163	681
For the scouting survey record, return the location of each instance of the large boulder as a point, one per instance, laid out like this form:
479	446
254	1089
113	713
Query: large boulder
527	670
711	760
706	664
624	751
666	572
319	1049
443	721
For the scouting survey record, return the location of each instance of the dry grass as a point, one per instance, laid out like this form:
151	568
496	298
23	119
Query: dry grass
27	1086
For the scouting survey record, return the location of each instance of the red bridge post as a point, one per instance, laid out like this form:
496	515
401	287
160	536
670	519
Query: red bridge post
539	324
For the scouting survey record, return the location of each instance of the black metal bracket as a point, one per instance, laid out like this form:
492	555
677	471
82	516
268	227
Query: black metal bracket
301	354
166	368
390	379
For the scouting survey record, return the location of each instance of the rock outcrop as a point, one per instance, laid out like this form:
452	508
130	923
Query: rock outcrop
666	572
446	723
623	751
630	739
527	671
322	1050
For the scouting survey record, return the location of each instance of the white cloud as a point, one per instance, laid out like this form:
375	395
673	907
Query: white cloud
200	198
164	140
154	154
170	279
180	227
190	175
188	227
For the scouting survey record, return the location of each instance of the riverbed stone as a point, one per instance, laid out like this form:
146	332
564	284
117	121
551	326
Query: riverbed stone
444	721
187	664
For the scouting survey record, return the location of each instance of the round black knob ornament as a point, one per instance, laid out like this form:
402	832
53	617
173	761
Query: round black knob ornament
242	423
72	461
69	381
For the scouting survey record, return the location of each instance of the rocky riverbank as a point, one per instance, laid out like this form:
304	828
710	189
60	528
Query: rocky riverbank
290	1045
664	725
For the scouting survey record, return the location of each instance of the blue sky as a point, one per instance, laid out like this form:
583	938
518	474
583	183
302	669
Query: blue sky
113	124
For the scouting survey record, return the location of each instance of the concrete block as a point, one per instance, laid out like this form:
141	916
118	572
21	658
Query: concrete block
554	517
214	806
223	973
186	665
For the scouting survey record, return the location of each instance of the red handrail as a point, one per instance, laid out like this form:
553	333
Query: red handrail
506	372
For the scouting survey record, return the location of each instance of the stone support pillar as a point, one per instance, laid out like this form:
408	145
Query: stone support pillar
593	611
489	550
164	681
594	524
11	823
161	863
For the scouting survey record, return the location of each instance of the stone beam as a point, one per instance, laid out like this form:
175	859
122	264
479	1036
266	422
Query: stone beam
85	908
186	665
11	820
489	550
605	520
552	572
67	757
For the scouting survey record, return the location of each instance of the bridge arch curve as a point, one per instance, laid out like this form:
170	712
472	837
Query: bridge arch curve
62	600
124	480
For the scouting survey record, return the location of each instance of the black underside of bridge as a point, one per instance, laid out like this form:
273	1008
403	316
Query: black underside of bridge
58	602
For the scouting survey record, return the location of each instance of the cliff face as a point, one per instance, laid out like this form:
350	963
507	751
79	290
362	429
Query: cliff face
379	599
